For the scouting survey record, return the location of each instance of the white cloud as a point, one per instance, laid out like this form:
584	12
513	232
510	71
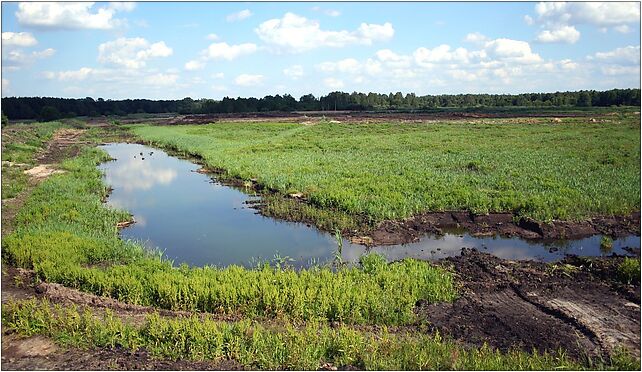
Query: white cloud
529	20
194	65
393	59
124	6
554	15
443	54
248	80
567	64
68	15
349	65
462	75
620	70
475	38
333	83
511	50
218	51
80	74
218	75
219	88
595	13
212	37
628	55
161	79
328	12
18	39
623	29
5	85
564	34
239	16
293	72
131	53
294	34
17	58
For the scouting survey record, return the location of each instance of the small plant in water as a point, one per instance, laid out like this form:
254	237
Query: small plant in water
606	244
338	259
282	262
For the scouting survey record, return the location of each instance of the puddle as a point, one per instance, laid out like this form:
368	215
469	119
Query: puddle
196	220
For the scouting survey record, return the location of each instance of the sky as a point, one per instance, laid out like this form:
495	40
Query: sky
172	50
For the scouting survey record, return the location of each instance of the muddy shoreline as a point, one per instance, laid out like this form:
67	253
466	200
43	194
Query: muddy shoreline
577	304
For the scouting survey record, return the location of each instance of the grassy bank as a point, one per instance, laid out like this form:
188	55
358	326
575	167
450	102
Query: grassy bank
67	235
255	346
19	146
531	167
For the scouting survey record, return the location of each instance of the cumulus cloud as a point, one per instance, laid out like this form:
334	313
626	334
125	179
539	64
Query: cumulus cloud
16	58
511	50
5	86
194	65
475	38
595	13
333	83
350	65
68	15
161	79
557	15
564	34
293	72
441	54
212	37
239	16
629	55
131	52
18	39
80	74
492	66
623	29
246	80
218	51
294	34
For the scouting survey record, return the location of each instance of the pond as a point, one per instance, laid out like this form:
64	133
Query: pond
194	219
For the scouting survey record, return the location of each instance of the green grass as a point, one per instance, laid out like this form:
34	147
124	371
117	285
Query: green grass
21	142
570	170
306	347
629	270
68	236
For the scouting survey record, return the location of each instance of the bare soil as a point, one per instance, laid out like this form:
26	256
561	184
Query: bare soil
504	224
577	305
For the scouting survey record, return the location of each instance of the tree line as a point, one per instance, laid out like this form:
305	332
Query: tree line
48	108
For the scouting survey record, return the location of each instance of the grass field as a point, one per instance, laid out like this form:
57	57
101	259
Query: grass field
568	170
288	319
283	346
67	235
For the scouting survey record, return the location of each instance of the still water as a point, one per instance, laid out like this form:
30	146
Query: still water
199	221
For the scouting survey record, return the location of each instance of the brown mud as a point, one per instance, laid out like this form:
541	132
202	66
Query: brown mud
504	224
577	305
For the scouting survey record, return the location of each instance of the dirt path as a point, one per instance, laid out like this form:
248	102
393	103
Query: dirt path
577	305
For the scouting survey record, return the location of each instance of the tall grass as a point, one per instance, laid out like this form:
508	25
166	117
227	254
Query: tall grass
68	236
570	170
306	347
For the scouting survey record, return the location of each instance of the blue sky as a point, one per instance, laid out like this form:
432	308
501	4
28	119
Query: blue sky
210	50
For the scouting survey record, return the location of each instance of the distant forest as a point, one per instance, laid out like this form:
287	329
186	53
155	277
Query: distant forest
44	108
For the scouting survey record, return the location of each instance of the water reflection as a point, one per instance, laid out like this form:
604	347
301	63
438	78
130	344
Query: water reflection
195	220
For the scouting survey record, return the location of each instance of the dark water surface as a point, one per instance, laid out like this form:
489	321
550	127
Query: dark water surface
196	220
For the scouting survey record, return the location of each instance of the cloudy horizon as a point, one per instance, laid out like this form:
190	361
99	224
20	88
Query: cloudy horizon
125	50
